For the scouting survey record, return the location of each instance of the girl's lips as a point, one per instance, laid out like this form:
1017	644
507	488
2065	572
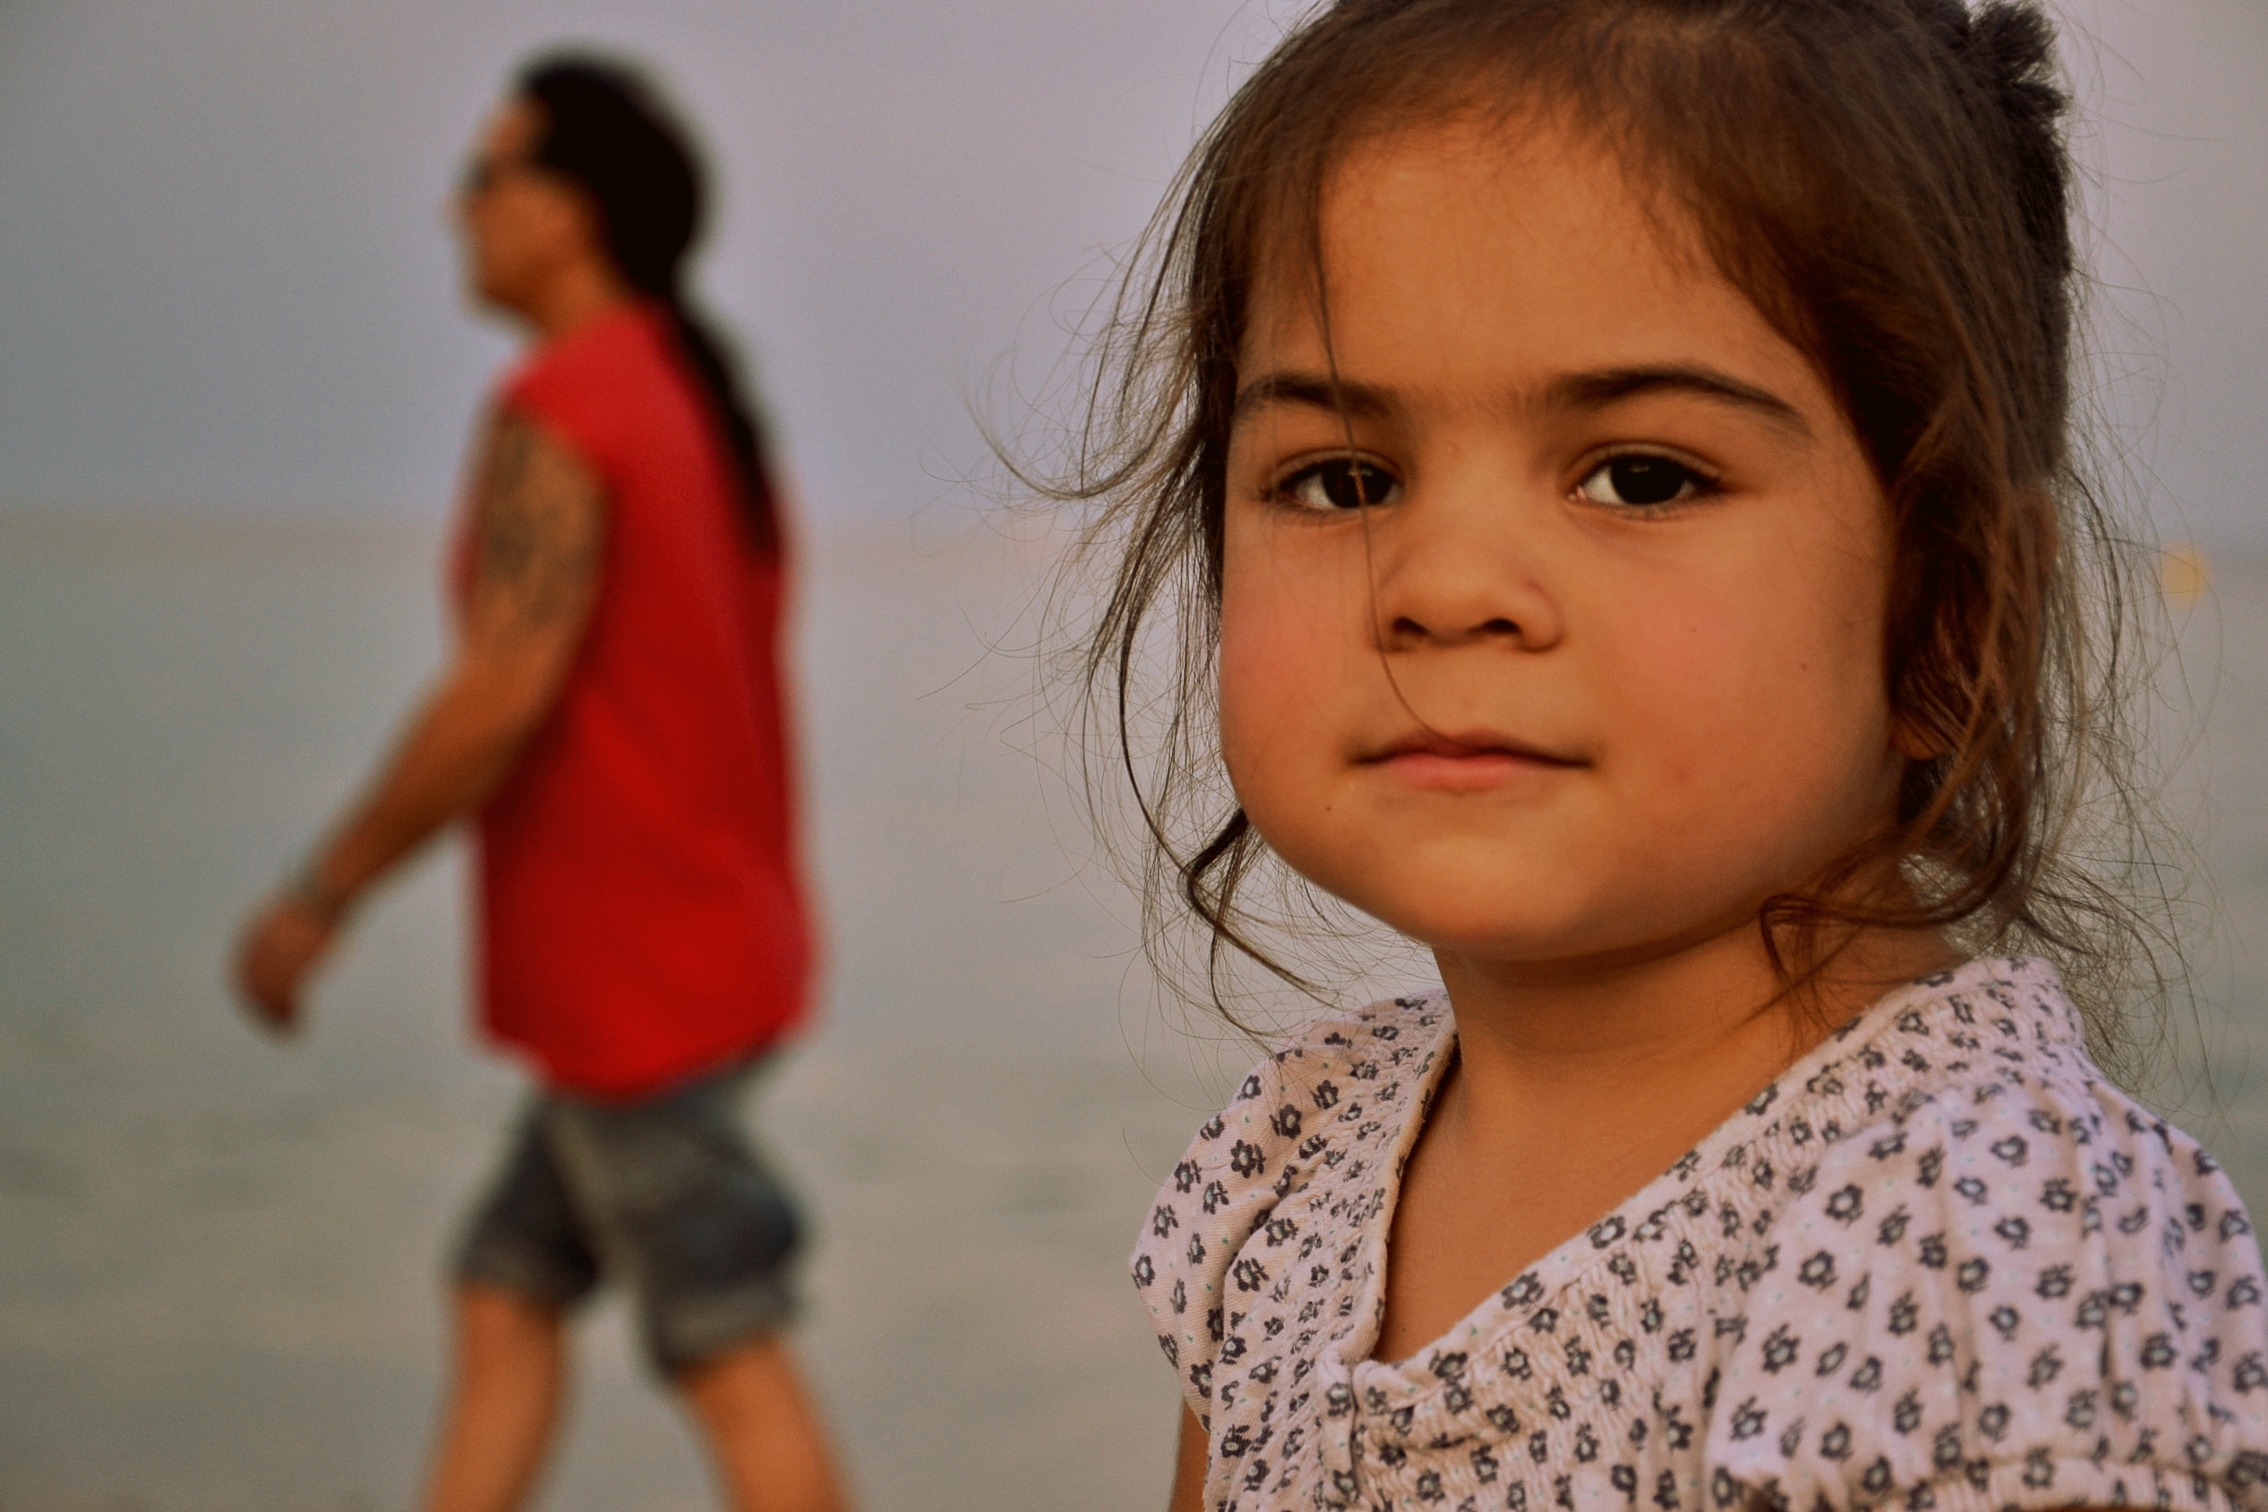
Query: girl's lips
1468	762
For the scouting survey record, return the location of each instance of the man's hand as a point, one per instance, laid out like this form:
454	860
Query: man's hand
282	943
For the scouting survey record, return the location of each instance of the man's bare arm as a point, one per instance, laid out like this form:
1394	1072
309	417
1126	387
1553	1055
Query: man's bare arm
540	525
540	530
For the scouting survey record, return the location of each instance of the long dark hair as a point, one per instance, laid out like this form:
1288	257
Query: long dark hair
607	130
1888	181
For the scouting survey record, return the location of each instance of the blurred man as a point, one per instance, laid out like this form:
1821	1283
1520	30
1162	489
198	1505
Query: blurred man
614	719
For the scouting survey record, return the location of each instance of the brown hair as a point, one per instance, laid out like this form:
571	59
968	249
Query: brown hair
1888	181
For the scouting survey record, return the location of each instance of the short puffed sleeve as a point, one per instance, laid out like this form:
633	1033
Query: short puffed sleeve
2010	1297
1242	1164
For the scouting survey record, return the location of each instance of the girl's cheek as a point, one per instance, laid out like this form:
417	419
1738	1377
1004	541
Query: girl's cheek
1264	664
1280	622
1726	676
1282	656
1679	649
1253	666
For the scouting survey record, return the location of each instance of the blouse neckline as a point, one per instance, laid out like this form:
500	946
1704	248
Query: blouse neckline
1348	1360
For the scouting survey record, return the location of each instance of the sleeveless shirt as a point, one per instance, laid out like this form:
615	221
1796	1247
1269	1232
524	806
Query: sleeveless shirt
642	915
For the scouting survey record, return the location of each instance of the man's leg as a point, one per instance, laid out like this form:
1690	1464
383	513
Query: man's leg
522	1265
764	1433
706	1237
511	1371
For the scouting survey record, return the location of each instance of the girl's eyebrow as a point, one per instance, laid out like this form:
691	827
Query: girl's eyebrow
1597	390
1315	391
1573	391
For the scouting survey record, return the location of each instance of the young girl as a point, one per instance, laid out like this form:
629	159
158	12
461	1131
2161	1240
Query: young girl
1614	456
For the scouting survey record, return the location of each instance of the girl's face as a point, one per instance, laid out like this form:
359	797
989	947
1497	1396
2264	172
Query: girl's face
1600	668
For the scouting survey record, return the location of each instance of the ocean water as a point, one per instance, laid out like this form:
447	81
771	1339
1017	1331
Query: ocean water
218	1254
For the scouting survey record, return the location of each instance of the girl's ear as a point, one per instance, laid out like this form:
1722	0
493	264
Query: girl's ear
1914	740
1929	704
1922	733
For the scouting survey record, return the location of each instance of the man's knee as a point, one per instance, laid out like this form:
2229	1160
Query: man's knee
495	1317
755	1381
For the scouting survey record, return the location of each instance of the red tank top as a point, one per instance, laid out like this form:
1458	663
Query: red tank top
642	915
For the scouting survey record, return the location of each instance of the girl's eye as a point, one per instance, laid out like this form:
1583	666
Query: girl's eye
1641	479
1342	483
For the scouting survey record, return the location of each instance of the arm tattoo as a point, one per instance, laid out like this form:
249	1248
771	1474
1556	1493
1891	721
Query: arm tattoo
542	522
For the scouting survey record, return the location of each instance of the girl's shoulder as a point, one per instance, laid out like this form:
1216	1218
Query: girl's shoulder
1332	1103
1361	1070
1972	1093
2000	1272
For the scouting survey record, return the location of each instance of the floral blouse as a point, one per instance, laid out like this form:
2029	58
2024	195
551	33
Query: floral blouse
1941	1263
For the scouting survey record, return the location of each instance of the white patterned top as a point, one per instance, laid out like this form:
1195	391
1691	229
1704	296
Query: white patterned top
1942	1263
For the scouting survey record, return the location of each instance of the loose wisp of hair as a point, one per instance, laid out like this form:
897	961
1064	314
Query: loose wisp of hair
1888	181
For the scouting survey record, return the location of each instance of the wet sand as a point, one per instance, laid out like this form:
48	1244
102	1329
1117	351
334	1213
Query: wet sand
218	1256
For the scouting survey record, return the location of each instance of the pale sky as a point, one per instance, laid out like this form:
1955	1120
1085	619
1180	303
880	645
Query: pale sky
224	282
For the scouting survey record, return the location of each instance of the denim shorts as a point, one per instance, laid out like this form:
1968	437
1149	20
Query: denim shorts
664	1195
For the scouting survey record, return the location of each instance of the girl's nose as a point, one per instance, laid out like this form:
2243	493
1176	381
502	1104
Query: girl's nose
1448	577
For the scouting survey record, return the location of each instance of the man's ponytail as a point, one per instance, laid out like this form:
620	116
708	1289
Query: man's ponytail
713	364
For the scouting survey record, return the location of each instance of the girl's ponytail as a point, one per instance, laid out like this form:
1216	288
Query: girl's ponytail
2013	49
2006	57
2009	52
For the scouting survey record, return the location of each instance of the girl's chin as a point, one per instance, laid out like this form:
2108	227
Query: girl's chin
1510	935
1515	926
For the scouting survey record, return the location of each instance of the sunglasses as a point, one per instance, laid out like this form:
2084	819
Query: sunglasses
483	174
